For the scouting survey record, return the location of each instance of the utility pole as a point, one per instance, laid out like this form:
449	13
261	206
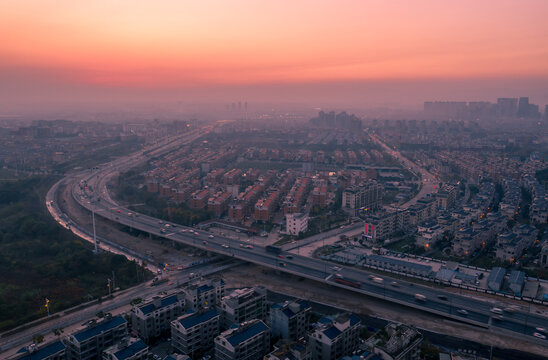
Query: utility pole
94	233
113	281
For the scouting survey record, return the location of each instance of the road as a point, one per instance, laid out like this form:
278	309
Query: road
429	182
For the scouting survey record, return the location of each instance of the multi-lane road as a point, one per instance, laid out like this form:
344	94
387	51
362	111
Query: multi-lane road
89	189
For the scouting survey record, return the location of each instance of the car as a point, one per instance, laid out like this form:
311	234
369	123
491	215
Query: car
205	242
242	245
289	257
540	329
509	309
282	264
211	236
119	211
498	317
225	246
336	268
539	335
496	310
249	246
462	312
395	284
281	256
442	297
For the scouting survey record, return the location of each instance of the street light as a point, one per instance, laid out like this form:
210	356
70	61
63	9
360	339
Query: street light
47	305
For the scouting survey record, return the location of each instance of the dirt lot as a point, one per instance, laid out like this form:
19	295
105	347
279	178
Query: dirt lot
252	275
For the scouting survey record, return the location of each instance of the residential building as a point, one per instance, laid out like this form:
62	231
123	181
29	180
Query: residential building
296	223
205	293
396	342
335	338
127	349
52	351
153	317
544	255
193	333
297	350
248	341
380	226
243	305
90	342
290	319
364	196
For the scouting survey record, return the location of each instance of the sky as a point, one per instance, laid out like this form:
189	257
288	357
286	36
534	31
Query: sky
379	53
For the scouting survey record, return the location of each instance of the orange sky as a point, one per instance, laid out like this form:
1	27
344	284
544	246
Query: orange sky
178	44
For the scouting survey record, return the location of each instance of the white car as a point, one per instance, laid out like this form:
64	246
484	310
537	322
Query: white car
539	335
225	246
211	236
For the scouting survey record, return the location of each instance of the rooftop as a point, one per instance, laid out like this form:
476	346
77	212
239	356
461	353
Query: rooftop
242	334
103	326
195	318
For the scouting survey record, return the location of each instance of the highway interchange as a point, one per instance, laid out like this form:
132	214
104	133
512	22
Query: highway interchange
90	190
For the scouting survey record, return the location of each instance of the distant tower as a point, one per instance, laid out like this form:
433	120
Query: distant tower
233	106
239	106
546	112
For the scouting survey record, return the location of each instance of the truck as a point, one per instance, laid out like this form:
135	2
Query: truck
347	282
273	249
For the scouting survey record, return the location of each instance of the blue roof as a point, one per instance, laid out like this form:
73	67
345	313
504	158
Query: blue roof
204	288
332	332
353	319
408	264
197	318
248	333
150	307
45	351
516	277
101	327
497	274
131	350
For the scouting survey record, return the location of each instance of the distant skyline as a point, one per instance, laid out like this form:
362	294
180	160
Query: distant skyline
360	53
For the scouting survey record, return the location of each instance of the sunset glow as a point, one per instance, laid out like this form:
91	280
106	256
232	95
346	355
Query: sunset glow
183	44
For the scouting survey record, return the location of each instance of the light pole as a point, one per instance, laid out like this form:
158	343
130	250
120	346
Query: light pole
109	287
47	305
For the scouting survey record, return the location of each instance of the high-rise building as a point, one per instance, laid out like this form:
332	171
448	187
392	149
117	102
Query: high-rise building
507	107
523	107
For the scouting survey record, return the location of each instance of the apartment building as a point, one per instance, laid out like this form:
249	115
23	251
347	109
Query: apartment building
334	338
243	305
248	341
193	333
153	317
290	319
